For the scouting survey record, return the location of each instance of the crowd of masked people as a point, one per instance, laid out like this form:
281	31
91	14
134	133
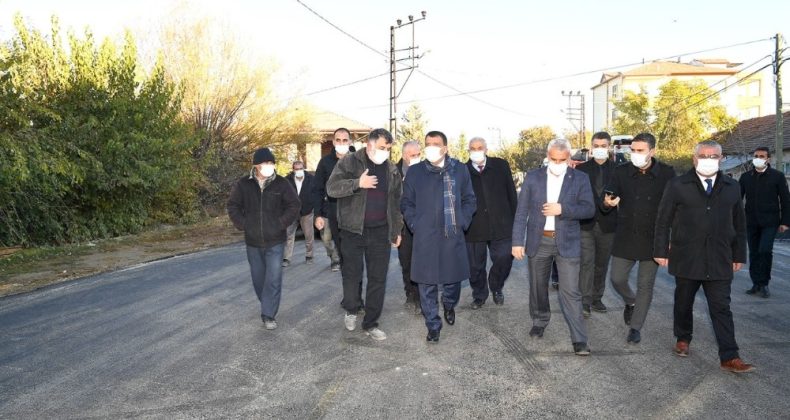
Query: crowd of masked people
448	218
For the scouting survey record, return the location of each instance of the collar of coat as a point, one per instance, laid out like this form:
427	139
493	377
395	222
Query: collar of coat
691	177
652	170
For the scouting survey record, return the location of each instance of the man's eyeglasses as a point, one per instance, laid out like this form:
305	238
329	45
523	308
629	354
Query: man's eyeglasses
714	156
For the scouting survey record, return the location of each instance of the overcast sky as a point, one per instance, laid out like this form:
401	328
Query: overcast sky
468	45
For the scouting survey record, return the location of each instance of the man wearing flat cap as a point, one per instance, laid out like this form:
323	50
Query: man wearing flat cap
263	205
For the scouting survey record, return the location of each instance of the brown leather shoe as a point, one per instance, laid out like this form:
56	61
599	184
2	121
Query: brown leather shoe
682	348
736	365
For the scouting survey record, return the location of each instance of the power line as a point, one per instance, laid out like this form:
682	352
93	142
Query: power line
341	30
345	84
725	87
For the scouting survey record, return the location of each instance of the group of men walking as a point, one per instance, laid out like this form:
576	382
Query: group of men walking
448	218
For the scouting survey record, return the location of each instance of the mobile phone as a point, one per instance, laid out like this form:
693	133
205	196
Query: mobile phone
610	193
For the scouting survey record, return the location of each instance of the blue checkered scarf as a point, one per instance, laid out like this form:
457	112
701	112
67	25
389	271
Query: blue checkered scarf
448	181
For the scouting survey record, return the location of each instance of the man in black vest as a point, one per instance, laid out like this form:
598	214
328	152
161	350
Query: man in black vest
767	211
410	156
598	232
303	185
492	224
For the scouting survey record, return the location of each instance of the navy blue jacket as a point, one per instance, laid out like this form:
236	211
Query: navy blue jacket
437	259
577	204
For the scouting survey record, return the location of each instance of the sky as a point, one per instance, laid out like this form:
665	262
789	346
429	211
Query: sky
468	46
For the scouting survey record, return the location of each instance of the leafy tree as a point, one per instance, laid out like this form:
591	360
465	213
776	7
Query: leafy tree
633	114
459	149
411	127
528	151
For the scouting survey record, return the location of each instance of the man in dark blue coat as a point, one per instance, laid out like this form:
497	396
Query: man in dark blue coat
438	203
546	228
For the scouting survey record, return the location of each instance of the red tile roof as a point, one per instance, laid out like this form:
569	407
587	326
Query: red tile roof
752	133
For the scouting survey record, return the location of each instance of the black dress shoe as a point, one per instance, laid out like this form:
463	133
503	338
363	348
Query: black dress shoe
449	316
499	298
753	290
433	337
581	349
634	336
598	306
628	312
537	332
764	292
477	303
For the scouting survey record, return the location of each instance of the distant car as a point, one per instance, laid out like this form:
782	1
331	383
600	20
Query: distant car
621	147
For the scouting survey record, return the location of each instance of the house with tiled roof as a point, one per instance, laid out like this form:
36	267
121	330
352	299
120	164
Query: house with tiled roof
323	126
739	143
751	98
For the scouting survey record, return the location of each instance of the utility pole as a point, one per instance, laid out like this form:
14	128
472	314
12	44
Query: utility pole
412	57
576	114
778	154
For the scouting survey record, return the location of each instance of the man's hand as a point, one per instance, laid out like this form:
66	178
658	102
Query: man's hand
396	242
662	261
368	181
518	252
320	223
611	202
552	209
737	266
783	228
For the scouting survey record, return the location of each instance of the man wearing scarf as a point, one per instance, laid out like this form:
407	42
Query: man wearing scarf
438	203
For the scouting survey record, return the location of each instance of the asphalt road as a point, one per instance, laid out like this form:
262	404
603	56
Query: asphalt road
182	338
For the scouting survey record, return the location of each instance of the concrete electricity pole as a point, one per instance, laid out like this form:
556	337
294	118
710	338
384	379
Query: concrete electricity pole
576	114
412	57
778	154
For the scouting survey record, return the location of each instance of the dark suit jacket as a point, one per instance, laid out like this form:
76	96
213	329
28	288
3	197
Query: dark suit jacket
706	233
577	204
604	216
767	198
496	201
306	194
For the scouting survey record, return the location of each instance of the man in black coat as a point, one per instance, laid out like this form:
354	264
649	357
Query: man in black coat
767	211
492	224
262	204
324	206
302	182
701	235
598	232
636	190
410	156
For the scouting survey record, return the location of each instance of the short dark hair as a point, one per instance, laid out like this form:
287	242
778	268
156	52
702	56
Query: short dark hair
763	149
647	138
297	162
342	129
602	135
380	133
437	134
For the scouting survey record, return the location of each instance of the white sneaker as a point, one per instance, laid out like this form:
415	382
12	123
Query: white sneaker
376	334
270	324
351	321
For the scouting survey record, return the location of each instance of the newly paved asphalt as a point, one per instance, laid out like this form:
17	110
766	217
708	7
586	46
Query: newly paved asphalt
182	338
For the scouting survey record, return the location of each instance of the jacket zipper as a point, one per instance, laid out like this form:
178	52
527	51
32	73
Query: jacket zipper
260	219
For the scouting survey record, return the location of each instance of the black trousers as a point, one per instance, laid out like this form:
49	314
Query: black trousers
717	293
333	227
761	246
501	263
370	250
404	256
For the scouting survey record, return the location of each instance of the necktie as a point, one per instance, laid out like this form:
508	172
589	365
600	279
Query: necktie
709	189
480	168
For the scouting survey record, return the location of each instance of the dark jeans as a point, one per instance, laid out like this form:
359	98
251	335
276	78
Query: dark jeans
596	249
267	276
717	293
501	263
371	250
429	302
761	245
404	256
335	230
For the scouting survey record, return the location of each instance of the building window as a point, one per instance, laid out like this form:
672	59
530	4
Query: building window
751	112
615	91
786	167
751	89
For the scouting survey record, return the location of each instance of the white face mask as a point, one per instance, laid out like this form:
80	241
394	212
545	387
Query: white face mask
299	173
639	160
341	149
600	153
415	161
379	156
707	167
477	156
759	163
266	170
558	168
433	154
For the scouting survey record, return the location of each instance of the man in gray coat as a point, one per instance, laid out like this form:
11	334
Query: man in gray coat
438	203
546	228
